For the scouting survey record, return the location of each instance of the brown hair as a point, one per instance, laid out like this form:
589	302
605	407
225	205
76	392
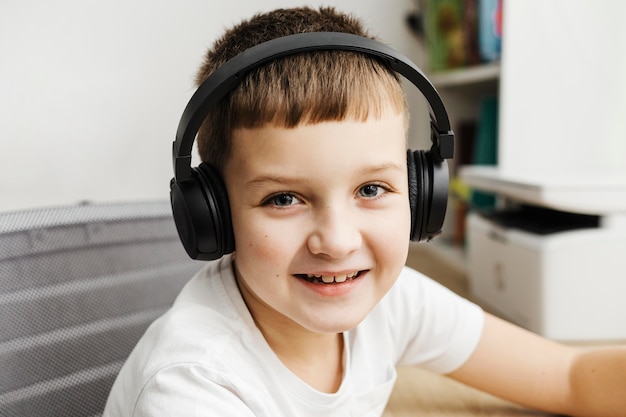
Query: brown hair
304	88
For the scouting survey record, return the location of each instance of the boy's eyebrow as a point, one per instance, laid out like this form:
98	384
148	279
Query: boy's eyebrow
275	179
389	166
282	179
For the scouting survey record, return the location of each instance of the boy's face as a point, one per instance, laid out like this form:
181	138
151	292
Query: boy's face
315	203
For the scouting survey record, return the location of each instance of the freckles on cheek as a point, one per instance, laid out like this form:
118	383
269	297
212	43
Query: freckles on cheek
262	247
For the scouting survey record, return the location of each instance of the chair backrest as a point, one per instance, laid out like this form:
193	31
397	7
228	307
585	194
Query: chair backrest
78	287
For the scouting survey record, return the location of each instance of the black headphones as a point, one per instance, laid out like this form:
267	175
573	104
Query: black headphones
198	195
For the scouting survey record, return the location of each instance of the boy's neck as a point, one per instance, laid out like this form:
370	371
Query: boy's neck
316	358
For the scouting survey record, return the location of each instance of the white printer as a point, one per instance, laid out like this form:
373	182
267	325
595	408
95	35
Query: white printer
552	258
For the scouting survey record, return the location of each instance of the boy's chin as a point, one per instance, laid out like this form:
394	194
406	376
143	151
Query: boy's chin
335	325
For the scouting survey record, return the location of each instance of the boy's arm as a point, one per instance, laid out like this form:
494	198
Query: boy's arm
527	369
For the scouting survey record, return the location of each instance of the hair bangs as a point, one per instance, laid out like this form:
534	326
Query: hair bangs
316	87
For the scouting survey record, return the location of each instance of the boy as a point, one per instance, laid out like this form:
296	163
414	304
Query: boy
313	310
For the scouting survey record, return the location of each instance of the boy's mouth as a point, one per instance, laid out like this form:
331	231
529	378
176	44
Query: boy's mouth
329	279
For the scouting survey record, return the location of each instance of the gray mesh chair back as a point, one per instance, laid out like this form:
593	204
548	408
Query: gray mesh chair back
78	287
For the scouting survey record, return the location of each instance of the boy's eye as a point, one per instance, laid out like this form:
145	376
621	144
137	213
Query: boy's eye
282	200
371	190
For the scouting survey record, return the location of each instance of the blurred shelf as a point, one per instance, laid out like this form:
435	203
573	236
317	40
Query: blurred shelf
587	193
453	255
466	76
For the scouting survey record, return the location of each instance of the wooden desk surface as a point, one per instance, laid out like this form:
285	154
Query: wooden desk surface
420	393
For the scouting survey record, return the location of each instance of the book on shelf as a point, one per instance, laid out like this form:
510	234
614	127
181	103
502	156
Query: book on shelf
461	33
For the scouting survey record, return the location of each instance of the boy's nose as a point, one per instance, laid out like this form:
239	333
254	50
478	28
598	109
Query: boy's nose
335	234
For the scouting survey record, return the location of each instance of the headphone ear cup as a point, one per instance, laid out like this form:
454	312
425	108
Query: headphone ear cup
428	194
214	186
202	214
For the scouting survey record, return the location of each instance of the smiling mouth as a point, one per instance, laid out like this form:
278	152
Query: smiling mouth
330	279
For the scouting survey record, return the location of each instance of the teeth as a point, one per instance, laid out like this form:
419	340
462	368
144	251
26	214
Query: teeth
329	279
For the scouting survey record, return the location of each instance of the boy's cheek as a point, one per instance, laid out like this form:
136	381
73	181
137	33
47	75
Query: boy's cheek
261	238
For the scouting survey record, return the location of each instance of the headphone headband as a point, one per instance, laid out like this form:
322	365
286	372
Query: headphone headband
225	78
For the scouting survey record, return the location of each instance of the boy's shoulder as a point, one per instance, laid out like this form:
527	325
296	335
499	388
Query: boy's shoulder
203	333
200	326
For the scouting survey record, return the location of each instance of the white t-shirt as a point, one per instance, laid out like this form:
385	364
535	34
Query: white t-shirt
205	357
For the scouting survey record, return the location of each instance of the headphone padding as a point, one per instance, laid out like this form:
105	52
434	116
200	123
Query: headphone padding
416	191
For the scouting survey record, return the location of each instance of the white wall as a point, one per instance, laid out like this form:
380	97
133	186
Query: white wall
91	91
